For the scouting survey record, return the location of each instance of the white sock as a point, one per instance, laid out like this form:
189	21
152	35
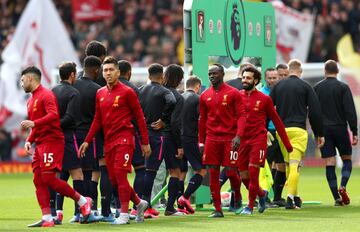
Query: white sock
82	201
47	217
291	196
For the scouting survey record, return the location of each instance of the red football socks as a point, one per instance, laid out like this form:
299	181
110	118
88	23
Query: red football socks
235	183
215	187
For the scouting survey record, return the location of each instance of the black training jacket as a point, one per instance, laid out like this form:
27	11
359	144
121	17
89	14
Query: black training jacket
68	99
295	100
337	103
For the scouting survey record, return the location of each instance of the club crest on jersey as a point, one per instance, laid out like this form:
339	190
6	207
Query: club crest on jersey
116	101
224	102
35	105
209	99
257	105
102	99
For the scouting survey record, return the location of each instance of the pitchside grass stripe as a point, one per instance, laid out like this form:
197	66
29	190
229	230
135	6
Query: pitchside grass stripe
18	207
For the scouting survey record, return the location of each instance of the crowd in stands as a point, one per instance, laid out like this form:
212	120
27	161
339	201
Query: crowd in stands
334	18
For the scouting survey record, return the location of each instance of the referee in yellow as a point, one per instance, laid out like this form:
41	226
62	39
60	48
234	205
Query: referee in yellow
295	100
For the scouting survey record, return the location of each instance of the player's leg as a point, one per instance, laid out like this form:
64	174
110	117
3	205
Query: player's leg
192	153
138	163
173	165
64	175
152	165
212	158
344	146
328	153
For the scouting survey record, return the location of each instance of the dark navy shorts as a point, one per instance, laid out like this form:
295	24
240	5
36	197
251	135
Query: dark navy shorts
93	153
71	159
162	148
336	137
138	158
193	155
273	153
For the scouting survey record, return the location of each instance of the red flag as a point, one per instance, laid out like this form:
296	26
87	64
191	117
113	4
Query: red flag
92	10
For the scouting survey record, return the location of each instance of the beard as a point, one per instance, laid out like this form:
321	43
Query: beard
248	86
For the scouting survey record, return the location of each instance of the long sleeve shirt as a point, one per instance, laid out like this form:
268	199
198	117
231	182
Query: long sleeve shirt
222	114
115	108
295	100
68	99
190	115
337	104
43	111
174	127
87	89
258	108
157	102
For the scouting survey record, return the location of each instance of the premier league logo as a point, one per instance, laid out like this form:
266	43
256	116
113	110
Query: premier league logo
235	30
235	27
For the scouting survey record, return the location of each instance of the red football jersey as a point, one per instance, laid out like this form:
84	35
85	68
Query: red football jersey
43	110
222	114
258	108
115	108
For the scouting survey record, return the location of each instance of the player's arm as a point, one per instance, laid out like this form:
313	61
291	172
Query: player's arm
241	120
280	128
95	127
30	140
202	120
72	111
50	105
175	124
138	114
315	116
170	102
350	112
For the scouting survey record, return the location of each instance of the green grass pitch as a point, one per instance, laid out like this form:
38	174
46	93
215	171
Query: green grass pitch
18	207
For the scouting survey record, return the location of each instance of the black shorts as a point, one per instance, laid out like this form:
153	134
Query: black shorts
138	158
162	148
273	153
192	154
93	153
336	137
71	159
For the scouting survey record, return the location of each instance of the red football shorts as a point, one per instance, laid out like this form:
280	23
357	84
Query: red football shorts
253	152
48	156
219	153
120	157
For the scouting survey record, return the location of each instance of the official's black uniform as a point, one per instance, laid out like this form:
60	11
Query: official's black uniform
88	89
338	110
294	100
157	102
189	129
138	158
172	133
236	83
68	99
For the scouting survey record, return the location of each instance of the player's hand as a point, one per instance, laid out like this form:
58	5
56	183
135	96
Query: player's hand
27	148
157	125
320	141
180	153
83	149
235	143
270	138
146	150
201	148
26	124
355	140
